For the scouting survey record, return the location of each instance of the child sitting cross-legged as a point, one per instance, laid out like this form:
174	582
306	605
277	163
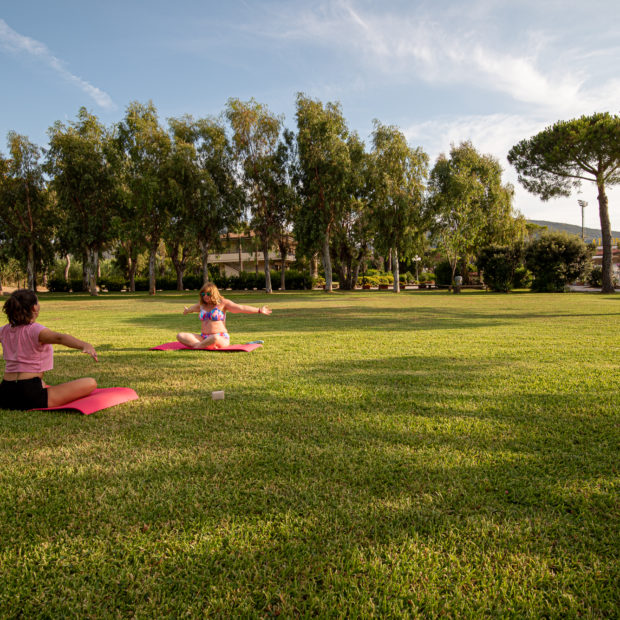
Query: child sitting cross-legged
28	353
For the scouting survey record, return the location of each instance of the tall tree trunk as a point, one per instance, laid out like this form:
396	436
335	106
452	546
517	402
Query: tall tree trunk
132	265
152	282
240	256
30	270
327	265
204	257
283	249
350	280
132	276
67	266
92	256
180	269
342	275
179	265
396	271
85	278
606	275
314	266
268	288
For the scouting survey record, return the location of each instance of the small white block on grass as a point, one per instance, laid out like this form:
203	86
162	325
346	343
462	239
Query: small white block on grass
217	395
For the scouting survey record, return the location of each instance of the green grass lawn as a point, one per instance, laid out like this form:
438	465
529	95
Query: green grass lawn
417	454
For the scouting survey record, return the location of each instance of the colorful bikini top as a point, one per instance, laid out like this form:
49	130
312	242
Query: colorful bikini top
215	314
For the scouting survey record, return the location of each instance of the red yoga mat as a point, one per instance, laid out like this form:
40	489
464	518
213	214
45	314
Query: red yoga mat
98	399
233	348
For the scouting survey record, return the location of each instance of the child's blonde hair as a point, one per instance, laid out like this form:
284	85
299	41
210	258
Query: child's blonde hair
209	293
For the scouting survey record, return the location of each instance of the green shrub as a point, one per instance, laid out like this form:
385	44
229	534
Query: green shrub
595	278
192	282
295	280
372	280
556	259
522	278
166	284
113	284
498	264
443	273
76	284
58	285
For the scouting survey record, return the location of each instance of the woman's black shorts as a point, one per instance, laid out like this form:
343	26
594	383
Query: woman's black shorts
23	394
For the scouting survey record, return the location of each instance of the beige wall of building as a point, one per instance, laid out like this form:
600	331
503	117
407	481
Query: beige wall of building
240	253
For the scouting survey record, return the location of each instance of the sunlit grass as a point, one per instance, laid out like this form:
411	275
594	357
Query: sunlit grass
419	454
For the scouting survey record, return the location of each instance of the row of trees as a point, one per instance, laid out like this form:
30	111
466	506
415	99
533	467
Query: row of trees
128	187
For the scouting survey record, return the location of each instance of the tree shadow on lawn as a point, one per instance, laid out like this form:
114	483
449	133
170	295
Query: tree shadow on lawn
302	507
352	468
316	318
319	320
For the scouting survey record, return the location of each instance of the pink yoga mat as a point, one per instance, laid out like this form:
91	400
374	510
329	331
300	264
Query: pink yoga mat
177	346
98	399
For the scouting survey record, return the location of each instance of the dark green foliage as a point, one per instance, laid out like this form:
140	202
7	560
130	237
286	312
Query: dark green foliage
192	282
113	283
57	285
555	260
443	273
498	264
522	278
595	277
77	285
298	281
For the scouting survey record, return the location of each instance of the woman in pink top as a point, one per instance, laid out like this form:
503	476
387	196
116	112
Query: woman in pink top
28	353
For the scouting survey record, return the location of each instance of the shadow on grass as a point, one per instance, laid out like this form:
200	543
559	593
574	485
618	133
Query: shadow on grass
372	459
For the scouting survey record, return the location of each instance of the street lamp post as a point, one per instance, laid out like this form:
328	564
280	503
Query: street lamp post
417	260
583	204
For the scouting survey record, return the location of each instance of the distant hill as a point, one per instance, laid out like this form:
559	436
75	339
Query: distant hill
589	233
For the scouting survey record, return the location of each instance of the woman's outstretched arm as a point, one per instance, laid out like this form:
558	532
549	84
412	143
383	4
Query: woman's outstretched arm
231	306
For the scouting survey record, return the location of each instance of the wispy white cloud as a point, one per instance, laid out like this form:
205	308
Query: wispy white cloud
529	67
17	43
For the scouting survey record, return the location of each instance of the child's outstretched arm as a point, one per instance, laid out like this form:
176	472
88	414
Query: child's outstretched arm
47	336
194	308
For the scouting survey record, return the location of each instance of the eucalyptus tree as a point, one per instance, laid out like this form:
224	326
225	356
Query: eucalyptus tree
147	147
354	230
467	204
81	162
288	200
324	168
256	133
559	158
398	183
24	207
183	189
218	198
130	239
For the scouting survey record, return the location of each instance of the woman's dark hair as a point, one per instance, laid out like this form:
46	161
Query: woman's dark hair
19	306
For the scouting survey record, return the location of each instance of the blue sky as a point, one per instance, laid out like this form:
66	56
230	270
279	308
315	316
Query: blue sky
490	71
